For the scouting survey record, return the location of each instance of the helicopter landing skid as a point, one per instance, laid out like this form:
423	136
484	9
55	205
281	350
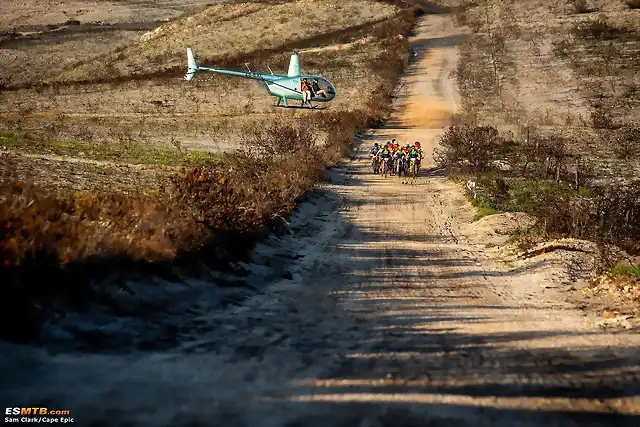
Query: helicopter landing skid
301	107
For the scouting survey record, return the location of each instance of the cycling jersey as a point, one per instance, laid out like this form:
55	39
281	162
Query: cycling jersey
385	154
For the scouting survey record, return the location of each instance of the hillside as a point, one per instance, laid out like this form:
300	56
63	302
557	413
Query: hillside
234	30
125	174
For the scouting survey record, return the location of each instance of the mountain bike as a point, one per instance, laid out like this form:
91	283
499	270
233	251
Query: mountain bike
375	165
413	170
384	169
400	166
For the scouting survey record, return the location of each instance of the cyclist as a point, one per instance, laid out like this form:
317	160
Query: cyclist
398	157
373	154
385	156
421	157
405	150
414	157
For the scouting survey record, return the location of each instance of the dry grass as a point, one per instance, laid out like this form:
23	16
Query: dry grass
41	38
224	31
205	114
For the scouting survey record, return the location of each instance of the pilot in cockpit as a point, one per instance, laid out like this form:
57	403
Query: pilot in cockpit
316	88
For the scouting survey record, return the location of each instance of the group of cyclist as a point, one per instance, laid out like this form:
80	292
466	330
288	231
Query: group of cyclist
394	159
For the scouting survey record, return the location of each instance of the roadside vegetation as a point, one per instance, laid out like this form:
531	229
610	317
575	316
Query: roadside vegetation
212	210
550	122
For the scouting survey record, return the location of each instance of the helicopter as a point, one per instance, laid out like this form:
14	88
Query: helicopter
284	88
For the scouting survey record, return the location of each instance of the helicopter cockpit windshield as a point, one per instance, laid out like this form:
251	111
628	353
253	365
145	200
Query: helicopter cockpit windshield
323	88
326	86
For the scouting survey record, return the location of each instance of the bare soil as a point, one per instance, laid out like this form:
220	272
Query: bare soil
395	313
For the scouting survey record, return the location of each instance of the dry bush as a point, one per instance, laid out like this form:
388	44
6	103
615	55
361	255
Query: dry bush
625	142
563	48
579	6
610	214
473	72
633	4
276	138
602	119
486	69
598	29
469	148
389	66
618	213
631	93
50	247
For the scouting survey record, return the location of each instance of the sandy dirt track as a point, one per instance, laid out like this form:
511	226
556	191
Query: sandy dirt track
395	316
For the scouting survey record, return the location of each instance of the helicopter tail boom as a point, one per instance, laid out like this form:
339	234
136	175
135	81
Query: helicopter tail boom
191	64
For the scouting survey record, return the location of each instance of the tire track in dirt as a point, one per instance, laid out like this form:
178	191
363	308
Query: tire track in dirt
395	316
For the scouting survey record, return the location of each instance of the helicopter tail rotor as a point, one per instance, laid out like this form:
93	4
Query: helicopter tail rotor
191	64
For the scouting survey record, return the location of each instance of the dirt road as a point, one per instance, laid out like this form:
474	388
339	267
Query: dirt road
393	315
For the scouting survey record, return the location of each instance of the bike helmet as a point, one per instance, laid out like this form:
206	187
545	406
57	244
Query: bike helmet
376	145
406	144
417	144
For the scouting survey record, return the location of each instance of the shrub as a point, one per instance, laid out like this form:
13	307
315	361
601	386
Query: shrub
579	6
602	119
625	270
277	138
562	48
609	214
599	29
626	142
469	148
633	4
